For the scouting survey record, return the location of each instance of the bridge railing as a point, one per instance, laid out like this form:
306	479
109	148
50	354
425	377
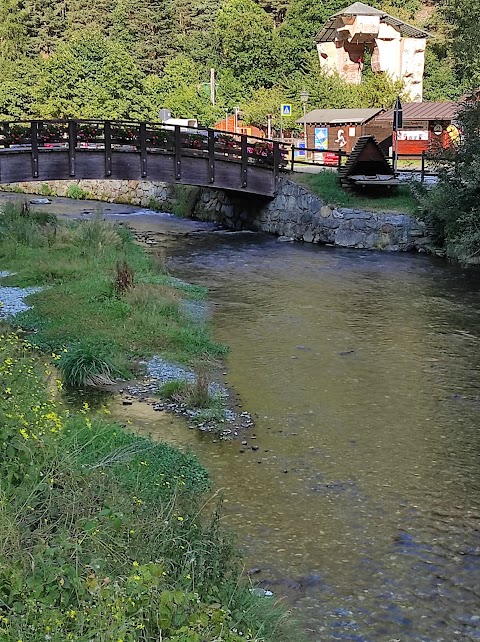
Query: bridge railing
133	136
61	145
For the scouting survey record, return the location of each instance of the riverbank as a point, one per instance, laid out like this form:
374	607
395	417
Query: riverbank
115	536
105	535
108	309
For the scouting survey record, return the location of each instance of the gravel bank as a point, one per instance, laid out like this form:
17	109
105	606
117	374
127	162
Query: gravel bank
12	299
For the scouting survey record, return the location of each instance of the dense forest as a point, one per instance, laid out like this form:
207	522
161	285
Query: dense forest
129	58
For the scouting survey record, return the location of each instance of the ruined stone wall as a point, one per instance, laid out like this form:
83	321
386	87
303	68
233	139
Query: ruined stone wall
296	214
400	58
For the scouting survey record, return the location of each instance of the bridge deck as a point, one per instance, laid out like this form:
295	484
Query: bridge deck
63	150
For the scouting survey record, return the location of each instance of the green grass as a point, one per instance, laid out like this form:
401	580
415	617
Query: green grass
196	395
80	305
108	536
325	185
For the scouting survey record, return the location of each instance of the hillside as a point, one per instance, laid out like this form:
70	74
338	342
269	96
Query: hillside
128	58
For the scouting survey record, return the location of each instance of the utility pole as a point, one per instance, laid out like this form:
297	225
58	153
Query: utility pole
304	99
212	86
237	109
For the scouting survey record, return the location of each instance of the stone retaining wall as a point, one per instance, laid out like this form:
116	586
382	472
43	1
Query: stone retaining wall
297	214
112	191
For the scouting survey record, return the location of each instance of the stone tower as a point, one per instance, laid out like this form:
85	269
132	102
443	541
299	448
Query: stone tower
396	48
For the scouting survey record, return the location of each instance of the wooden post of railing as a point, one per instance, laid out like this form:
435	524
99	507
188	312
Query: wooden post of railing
339	160
177	146
277	157
292	166
72	144
34	126
244	160
211	155
107	134
422	175
143	149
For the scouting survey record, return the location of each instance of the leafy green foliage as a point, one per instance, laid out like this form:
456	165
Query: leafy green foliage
91	77
76	192
129	58
244	42
81	306
462	18
453	207
85	364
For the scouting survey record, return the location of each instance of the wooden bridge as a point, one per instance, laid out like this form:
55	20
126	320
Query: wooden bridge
75	149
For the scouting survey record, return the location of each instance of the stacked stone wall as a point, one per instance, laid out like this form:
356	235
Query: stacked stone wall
297	214
112	191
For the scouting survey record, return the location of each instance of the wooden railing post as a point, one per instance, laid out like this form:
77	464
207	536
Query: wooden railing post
292	162
107	134
177	147
244	164
339	162
277	158
72	144
34	126
143	149
422	175
211	155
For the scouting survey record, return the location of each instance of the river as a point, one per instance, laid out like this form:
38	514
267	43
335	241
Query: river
361	501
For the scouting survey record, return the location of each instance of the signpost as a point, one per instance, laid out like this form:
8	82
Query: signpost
285	110
397	125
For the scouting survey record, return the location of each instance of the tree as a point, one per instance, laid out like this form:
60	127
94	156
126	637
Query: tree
296	36
45	22
148	32
244	42
440	82
181	91
13	34
91	77
18	88
462	15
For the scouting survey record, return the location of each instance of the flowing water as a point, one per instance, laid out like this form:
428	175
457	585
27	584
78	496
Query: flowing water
361	504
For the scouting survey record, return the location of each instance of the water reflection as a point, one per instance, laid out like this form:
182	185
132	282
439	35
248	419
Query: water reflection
362	502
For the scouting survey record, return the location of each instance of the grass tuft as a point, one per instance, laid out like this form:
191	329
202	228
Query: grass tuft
86	365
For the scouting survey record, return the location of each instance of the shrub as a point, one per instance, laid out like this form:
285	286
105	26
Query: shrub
184	199
46	190
453	207
105	535
97	235
25	226
194	394
75	191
